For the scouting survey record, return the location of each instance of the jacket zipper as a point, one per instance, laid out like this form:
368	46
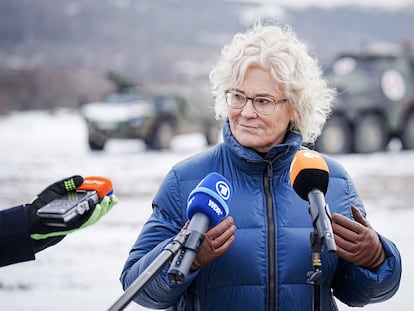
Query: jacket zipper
271	231
271	237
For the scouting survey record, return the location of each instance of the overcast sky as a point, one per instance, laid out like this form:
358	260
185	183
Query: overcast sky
332	3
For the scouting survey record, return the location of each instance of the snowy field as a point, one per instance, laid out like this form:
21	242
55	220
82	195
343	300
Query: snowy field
81	273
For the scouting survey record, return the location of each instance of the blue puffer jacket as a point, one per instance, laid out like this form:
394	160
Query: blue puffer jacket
266	266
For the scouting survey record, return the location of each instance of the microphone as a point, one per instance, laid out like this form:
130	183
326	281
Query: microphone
207	205
309	177
101	185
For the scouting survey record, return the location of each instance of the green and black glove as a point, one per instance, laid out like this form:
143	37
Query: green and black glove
39	230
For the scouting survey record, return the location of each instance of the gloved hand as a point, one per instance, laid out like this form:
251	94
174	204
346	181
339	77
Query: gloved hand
40	231
356	241
217	240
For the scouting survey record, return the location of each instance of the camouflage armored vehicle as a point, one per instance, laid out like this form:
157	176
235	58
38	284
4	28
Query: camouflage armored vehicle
375	101
154	114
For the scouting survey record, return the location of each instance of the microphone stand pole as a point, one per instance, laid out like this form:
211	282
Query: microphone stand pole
150	272
315	276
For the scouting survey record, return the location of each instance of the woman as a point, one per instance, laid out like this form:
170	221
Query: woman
274	100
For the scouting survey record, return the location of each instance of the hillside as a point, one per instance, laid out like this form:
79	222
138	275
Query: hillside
76	42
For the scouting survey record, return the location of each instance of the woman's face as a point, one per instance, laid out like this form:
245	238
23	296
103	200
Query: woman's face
254	130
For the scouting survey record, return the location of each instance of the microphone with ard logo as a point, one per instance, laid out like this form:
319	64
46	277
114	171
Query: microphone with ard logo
207	205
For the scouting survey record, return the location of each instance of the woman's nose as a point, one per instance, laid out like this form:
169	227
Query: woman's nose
248	109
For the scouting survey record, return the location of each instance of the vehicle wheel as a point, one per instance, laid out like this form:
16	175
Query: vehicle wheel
162	135
370	134
336	136
96	144
407	135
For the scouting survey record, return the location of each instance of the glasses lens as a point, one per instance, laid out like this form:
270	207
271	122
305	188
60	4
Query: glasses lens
264	105
235	99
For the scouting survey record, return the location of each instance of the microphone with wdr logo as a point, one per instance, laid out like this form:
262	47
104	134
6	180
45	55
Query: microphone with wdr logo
309	177
207	205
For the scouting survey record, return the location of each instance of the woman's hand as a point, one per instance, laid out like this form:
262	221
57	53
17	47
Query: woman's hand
216	242
356	241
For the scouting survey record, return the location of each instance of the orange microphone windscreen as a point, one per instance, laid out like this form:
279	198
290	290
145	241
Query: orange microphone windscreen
308	171
101	185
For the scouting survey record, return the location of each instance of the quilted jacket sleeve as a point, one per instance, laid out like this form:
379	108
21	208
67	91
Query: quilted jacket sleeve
356	286
164	224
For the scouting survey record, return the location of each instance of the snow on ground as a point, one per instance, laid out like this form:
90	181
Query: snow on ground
81	273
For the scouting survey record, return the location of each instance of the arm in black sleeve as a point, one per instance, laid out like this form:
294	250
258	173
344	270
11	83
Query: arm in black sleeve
16	244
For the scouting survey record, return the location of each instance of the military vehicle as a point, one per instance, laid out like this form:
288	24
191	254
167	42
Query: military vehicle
375	100
154	114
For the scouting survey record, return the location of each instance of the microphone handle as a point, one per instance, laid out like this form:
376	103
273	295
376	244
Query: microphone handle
181	264
321	218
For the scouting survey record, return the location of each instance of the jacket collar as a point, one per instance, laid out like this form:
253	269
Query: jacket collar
247	158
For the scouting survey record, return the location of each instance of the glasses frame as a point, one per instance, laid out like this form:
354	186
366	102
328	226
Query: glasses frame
270	99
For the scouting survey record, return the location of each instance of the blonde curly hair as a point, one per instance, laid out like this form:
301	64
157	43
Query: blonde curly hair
277	49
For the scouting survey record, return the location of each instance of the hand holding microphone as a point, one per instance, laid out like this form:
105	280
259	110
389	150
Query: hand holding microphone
356	241
309	176
207	206
216	242
68	205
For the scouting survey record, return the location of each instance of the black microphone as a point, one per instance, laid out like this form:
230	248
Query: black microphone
309	177
206	207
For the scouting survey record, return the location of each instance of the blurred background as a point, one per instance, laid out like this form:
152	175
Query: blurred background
119	88
59	53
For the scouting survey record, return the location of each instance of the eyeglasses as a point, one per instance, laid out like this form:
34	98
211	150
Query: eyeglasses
261	104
